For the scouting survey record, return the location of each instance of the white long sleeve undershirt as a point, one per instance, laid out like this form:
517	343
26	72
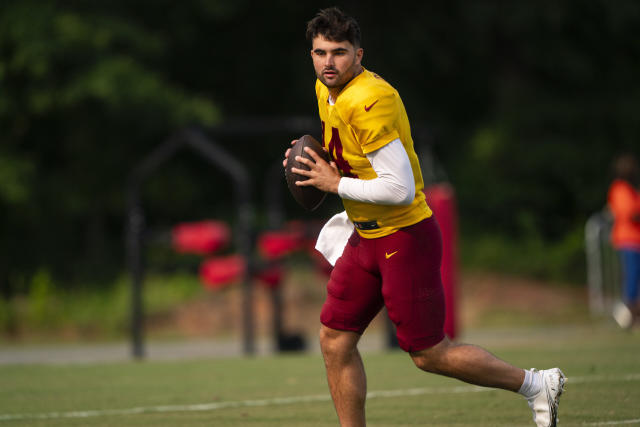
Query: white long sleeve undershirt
394	185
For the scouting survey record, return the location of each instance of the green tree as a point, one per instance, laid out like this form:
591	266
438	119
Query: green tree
84	95
527	102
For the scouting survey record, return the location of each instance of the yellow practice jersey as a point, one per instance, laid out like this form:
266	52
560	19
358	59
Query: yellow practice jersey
368	114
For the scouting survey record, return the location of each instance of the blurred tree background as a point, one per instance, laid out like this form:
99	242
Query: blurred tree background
527	102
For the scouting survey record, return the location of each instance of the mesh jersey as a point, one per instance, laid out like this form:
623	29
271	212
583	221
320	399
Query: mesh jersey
368	114
624	202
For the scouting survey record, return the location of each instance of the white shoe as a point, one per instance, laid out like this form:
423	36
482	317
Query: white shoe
545	404
622	315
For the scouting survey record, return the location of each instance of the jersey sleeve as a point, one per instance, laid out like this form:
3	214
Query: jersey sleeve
374	120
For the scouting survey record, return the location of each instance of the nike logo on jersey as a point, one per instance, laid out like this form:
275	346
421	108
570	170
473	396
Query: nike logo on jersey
370	106
389	255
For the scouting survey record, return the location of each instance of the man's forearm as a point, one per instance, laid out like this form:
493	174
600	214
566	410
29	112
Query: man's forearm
395	183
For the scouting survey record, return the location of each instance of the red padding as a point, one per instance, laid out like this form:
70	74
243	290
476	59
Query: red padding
271	276
203	237
441	198
216	273
276	244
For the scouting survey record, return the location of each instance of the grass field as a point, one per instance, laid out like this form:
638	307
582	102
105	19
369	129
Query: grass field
602	363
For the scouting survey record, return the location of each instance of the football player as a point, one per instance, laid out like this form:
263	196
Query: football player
392	257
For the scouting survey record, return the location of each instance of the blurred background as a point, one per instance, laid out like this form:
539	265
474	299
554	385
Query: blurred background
521	107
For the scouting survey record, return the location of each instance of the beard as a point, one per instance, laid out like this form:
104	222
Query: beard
336	79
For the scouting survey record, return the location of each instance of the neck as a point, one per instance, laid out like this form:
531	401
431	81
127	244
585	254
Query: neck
333	92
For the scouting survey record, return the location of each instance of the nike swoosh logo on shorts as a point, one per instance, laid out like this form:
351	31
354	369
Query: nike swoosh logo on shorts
370	106
390	255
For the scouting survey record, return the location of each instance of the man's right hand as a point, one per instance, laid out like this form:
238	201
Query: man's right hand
286	153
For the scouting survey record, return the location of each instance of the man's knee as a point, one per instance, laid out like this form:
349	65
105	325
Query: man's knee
337	344
432	359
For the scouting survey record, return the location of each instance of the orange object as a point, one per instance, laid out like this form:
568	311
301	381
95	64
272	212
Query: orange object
624	203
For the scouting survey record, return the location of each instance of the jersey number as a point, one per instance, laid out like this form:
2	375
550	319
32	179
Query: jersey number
335	151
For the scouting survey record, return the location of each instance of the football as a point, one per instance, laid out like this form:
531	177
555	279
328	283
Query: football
308	197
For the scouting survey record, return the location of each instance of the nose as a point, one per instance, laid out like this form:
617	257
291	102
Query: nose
329	60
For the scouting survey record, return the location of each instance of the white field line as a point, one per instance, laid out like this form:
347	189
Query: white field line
298	399
600	378
237	404
614	423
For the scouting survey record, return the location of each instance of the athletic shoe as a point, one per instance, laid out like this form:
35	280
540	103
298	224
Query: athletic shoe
622	315
545	404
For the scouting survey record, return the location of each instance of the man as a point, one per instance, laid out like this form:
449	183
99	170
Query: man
393	257
623	200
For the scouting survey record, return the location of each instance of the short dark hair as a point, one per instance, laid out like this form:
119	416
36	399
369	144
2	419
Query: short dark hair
625	167
334	25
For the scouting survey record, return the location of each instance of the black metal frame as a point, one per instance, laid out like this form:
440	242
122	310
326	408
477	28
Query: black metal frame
212	152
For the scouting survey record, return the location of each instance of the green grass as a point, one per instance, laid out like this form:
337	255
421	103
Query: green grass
598	358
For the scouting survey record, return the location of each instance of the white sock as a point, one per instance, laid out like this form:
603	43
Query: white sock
531	385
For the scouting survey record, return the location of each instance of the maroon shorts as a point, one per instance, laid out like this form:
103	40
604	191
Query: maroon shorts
400	271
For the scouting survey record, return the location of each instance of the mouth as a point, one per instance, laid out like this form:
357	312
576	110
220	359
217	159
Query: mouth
329	73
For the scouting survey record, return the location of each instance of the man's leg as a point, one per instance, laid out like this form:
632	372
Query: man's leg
469	363
631	272
345	374
414	297
626	311
354	298
475	365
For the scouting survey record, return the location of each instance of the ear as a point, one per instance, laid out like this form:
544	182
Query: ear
359	55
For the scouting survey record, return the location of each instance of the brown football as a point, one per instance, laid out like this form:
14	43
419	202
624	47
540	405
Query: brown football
308	197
